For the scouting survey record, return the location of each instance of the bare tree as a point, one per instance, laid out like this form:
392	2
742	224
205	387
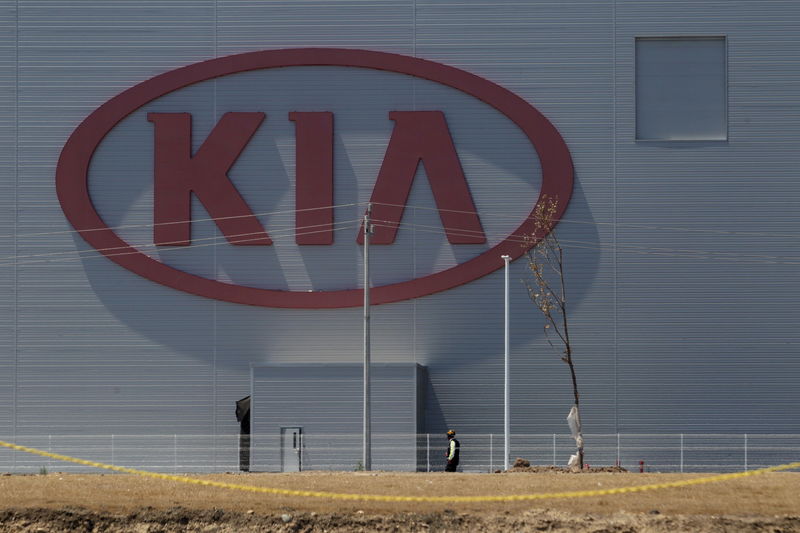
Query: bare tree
547	291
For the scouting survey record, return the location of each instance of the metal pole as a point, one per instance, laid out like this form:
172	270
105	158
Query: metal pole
506	410
745	452
428	451
367	444
491	451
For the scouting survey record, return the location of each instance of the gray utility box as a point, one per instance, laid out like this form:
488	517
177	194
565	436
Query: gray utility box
310	416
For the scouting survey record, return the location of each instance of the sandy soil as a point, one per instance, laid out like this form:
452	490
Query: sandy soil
117	503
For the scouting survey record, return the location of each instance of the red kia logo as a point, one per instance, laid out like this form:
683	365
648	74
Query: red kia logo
417	136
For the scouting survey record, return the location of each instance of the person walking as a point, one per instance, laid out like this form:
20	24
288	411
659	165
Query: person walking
452	453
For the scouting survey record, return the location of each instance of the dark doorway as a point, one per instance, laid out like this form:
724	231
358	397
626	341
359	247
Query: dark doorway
243	417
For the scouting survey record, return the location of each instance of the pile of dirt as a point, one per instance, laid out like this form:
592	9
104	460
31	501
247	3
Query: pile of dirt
564	470
150	520
523	465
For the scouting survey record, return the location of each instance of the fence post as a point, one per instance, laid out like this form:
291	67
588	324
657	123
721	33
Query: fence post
112	450
175	454
619	463
745	452
428	451
554	449
491	451
49	449
681	453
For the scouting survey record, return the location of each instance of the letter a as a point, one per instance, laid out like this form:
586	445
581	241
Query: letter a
178	174
423	136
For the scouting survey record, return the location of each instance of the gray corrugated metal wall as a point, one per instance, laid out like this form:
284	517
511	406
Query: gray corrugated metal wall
712	342
699	340
326	401
8	182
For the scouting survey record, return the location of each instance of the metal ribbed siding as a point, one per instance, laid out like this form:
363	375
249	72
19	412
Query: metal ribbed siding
84	360
8	164
663	342
326	401
524	47
707	333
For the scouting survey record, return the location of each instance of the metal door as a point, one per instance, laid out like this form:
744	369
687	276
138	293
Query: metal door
291	449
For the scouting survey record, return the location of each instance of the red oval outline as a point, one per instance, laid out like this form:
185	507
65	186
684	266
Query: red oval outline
73	165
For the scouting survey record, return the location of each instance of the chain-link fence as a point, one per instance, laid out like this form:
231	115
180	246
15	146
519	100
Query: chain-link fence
479	452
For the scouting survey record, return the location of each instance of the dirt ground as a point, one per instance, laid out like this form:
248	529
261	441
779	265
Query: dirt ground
127	503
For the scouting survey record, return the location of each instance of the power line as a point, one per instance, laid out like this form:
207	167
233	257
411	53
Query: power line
483	214
140	249
289	232
643	250
240	237
352	224
185	221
